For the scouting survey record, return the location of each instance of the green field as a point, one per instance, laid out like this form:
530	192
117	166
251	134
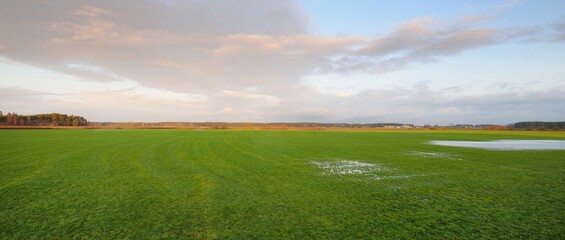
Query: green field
239	184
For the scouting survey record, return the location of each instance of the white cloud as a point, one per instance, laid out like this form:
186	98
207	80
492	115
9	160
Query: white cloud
220	61
89	11
559	28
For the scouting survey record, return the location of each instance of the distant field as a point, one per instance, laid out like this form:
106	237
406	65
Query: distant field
243	184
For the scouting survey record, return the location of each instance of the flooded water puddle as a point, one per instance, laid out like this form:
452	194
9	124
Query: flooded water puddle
507	144
363	171
348	167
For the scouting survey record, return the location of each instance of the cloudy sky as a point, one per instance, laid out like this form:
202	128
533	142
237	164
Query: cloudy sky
357	61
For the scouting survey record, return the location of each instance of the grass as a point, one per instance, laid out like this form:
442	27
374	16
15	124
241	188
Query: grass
238	184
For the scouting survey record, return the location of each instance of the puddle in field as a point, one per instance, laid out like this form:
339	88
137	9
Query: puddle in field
349	167
369	171
434	155
507	144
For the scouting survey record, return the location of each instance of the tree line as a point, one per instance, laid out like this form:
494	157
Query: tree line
539	125
48	119
247	125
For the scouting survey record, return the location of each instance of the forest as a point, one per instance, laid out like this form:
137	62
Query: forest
58	119
47	119
539	125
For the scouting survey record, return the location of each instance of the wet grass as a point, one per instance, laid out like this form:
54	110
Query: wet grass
233	184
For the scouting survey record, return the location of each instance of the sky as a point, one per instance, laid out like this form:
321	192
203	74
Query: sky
358	61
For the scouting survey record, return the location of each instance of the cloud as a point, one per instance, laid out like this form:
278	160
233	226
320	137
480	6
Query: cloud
243	65
421	105
104	32
559	29
418	104
122	37
228	48
25	101
424	40
14	92
89	11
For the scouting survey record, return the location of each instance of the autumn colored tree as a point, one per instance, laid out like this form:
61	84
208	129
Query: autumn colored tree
52	119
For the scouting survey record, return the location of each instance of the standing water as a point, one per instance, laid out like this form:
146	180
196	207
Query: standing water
507	144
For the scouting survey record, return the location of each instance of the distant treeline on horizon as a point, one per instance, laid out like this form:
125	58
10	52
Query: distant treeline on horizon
47	119
314	125
57	119
539	125
226	125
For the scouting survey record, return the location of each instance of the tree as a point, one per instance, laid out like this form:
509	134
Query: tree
12	118
51	119
75	121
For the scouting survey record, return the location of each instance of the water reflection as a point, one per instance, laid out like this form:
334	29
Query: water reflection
507	144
